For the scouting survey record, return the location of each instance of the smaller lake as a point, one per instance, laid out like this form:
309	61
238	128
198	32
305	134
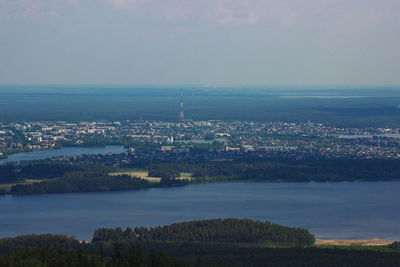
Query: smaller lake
62	152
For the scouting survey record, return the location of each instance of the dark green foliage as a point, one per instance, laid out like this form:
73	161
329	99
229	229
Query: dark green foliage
259	104
123	249
59	250
54	257
227	254
46	170
329	170
8	245
287	170
41	169
395	245
105	234
49	258
164	173
217	230
172	182
200	255
82	182
8	174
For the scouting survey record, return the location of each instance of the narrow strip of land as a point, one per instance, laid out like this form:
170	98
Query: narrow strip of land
350	242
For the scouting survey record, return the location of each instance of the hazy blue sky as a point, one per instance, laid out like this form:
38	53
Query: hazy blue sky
207	42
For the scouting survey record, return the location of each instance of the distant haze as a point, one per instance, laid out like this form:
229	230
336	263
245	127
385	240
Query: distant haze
200	42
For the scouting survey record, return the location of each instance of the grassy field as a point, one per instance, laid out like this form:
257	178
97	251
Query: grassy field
143	174
139	174
352	242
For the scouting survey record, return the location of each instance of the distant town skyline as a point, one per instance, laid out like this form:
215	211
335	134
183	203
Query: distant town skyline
208	43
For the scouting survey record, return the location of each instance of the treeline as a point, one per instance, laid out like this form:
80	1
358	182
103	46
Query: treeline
8	245
290	170
216	230
243	255
48	250
42	169
164	172
200	255
327	170
46	257
81	182
89	181
56	257
395	245
63	177
8	174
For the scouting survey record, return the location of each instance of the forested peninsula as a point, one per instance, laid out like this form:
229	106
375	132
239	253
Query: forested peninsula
47	176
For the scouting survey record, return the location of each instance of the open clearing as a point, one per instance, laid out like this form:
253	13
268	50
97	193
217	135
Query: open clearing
350	242
143	174
140	174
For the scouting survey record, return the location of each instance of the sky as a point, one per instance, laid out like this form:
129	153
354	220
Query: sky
200	42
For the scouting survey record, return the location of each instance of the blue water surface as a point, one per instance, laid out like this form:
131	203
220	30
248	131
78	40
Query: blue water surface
328	210
62	152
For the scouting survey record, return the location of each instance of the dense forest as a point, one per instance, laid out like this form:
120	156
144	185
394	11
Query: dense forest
54	257
60	177
395	245
42	169
329	170
81	182
217	230
76	182
256	104
212	254
8	245
200	255
242	243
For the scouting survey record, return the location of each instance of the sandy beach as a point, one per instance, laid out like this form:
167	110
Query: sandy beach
350	242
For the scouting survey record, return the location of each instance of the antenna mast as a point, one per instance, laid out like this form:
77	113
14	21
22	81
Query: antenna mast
181	113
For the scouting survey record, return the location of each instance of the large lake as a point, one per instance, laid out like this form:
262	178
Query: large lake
328	210
61	152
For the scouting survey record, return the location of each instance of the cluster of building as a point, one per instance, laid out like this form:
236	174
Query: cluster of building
314	139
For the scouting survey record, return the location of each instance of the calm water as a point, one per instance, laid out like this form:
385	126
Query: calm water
64	151
328	210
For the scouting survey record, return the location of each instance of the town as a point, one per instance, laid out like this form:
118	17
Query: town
212	140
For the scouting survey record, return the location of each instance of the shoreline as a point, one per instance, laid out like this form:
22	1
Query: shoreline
190	183
352	242
3	159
